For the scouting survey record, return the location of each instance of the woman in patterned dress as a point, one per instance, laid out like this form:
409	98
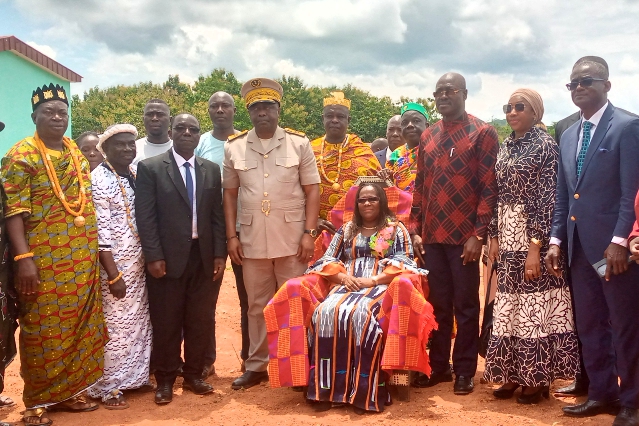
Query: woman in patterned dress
123	283
533	340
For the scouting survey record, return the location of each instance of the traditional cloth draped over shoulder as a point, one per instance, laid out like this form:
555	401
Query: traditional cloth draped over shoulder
62	333
397	311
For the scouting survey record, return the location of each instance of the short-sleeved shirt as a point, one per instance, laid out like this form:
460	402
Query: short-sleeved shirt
272	199
145	149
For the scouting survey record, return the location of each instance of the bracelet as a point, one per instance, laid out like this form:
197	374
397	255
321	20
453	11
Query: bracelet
116	279
23	256
536	242
230	238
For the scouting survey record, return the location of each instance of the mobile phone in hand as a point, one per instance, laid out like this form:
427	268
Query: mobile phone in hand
602	265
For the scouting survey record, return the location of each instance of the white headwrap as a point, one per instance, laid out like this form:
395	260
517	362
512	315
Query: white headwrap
114	130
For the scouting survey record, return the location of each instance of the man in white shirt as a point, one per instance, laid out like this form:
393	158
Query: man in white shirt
157	118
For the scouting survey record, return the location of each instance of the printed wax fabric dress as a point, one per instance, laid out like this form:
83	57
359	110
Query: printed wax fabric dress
403	167
128	352
8	307
533	340
62	333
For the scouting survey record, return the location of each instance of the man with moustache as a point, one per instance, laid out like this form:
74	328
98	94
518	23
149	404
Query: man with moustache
276	171
181	226
222	111
157	119
453	202
598	179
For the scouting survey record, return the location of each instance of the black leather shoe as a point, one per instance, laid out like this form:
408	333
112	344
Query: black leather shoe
463	385
592	408
577	388
505	392
164	393
627	417
535	397
197	386
209	370
250	379
423	381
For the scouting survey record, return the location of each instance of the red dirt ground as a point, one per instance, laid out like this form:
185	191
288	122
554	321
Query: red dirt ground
261	405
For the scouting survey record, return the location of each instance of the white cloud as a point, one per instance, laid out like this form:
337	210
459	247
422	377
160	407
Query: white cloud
43	48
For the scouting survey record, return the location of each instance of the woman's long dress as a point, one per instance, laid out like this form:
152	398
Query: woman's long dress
346	338
533	339
128	352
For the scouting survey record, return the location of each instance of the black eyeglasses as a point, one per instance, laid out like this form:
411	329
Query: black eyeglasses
448	92
368	199
584	82
519	107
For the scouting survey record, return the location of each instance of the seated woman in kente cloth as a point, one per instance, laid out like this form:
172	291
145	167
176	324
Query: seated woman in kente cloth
349	304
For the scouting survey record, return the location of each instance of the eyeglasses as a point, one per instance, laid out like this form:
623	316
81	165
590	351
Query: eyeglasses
584	82
519	107
371	200
182	129
448	92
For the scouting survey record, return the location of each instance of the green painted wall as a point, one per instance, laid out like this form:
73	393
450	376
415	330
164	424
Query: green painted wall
18	78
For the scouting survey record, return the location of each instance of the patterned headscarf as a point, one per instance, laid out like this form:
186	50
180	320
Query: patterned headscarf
535	101
114	130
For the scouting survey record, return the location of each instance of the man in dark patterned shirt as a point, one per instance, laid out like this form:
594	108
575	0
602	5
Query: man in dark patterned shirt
453	202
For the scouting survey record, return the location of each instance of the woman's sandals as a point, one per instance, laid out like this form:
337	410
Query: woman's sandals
36	414
116	401
77	404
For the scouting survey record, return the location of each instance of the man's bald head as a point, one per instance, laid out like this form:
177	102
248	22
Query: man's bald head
454	79
222	96
379	144
394	132
450	96
222	113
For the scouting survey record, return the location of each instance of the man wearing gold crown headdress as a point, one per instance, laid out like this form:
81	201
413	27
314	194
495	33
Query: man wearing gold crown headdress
341	157
52	228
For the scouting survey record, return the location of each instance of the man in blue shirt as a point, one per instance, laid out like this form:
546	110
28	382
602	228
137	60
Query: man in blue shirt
211	147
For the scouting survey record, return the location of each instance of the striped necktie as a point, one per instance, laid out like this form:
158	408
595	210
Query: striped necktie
585	143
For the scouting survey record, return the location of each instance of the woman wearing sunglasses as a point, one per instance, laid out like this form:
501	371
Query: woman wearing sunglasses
533	340
364	277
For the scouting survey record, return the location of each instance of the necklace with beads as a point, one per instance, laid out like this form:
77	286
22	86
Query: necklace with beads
81	202
129	218
341	149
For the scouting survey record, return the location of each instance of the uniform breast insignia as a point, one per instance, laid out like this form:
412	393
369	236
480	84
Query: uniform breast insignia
237	135
295	132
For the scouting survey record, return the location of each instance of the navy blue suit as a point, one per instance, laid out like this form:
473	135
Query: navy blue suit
589	212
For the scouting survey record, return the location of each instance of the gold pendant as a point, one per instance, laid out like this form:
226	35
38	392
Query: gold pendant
79	221
336	186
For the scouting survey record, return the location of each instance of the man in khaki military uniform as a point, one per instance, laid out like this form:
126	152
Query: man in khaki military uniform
278	175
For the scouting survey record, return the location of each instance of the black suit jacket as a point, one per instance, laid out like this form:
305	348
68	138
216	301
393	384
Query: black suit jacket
381	157
164	218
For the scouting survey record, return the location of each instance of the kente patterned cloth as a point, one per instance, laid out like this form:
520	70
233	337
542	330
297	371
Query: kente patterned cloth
533	340
8	307
357	160
403	167
62	333
344	345
399	202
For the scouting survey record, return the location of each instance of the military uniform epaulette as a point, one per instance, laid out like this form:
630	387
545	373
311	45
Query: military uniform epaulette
237	135
295	132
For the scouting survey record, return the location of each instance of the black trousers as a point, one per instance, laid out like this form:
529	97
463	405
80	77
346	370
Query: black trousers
211	353
180	306
583	374
607	314
454	292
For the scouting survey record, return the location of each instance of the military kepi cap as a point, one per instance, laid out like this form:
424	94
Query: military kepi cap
48	93
261	90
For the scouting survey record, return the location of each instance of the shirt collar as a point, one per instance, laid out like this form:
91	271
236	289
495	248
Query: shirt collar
180	160
596	117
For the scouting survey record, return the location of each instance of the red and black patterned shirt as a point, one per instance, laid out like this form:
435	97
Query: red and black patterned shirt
455	187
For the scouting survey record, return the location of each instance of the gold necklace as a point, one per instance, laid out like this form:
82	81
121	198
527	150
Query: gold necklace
336	186
78	220
129	218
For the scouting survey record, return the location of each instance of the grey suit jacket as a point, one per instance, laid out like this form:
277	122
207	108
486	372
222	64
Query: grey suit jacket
381	157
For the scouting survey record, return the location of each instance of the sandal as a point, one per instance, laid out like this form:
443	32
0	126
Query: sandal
71	405
116	396
36	413
6	402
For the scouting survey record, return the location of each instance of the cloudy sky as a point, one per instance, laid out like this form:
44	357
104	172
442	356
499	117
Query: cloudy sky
388	47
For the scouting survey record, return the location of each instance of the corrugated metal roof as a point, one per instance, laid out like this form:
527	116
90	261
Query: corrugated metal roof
16	45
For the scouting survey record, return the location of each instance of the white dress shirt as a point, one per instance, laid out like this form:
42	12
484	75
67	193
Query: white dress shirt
179	160
595	119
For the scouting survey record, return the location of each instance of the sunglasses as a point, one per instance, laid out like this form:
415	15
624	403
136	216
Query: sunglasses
584	82
371	200
519	107
448	92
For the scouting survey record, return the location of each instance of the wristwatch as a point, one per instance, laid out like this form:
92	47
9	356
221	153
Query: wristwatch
311	232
